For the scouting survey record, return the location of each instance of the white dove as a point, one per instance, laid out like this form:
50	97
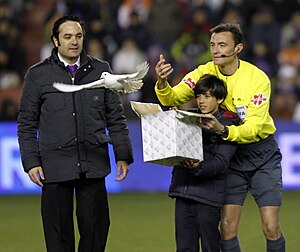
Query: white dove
123	83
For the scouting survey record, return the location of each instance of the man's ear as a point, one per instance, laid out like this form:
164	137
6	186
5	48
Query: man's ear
55	41
239	47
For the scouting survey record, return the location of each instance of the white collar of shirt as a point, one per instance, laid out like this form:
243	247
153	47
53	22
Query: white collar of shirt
66	64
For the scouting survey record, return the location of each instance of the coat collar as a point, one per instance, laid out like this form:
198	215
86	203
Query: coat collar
84	57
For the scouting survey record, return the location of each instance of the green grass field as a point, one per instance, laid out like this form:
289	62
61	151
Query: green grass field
139	223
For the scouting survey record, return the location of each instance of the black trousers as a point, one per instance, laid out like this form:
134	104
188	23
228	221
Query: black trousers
91	210
195	222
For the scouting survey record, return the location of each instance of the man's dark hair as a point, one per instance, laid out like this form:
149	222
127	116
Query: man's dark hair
234	29
60	21
212	84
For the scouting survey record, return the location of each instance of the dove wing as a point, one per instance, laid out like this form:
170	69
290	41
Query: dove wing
125	83
142	71
132	86
73	88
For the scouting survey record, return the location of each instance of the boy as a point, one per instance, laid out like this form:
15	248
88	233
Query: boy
199	187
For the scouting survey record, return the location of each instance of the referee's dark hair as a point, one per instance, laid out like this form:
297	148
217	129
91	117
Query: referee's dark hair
212	84
60	21
235	30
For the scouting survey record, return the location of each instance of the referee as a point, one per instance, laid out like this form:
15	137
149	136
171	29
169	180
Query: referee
256	166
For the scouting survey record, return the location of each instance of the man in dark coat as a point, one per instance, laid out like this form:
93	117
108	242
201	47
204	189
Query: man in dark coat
63	141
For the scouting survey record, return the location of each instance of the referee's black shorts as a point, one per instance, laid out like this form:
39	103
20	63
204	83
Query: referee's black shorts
256	167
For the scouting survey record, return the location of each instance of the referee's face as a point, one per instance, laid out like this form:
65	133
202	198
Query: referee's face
222	48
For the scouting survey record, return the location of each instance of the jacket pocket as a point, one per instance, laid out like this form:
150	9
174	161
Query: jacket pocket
96	98
58	145
97	140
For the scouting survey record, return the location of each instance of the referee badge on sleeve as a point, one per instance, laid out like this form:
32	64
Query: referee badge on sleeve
190	82
258	99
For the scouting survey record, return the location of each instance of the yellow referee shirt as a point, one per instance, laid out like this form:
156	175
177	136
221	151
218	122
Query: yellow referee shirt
249	91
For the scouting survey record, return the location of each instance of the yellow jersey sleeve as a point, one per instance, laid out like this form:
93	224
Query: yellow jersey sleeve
183	91
175	96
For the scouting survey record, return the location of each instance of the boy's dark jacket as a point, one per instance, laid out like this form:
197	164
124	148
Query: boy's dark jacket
71	126
206	183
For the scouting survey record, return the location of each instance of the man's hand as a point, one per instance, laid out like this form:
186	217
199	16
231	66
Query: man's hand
163	70
35	174
123	170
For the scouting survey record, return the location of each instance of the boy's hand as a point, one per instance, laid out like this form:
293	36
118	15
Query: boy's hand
191	164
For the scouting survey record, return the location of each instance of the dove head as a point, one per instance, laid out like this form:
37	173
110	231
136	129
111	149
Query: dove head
104	74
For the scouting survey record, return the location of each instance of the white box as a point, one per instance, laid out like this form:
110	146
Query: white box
169	137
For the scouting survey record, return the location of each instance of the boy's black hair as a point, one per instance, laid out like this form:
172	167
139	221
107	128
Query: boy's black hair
212	84
60	21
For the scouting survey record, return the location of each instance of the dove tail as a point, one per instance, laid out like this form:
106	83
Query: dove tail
66	87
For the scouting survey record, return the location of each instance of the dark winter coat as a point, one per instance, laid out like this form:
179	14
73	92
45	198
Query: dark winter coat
65	133
206	183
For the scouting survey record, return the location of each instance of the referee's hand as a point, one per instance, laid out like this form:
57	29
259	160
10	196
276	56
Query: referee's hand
163	70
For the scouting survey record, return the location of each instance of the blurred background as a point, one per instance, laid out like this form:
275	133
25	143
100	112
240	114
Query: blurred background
127	32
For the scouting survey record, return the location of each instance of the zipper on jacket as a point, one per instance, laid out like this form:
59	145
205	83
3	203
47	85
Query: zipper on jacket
76	128
185	189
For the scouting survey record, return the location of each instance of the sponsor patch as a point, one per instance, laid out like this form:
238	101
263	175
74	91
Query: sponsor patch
190	82
258	99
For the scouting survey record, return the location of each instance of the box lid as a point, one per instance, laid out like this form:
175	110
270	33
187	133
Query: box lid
143	108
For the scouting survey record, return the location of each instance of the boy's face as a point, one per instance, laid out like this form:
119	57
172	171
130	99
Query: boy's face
207	103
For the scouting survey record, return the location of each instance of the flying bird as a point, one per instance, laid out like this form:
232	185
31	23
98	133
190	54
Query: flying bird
123	83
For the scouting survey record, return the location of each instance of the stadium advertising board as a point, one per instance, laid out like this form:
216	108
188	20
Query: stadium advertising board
142	176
